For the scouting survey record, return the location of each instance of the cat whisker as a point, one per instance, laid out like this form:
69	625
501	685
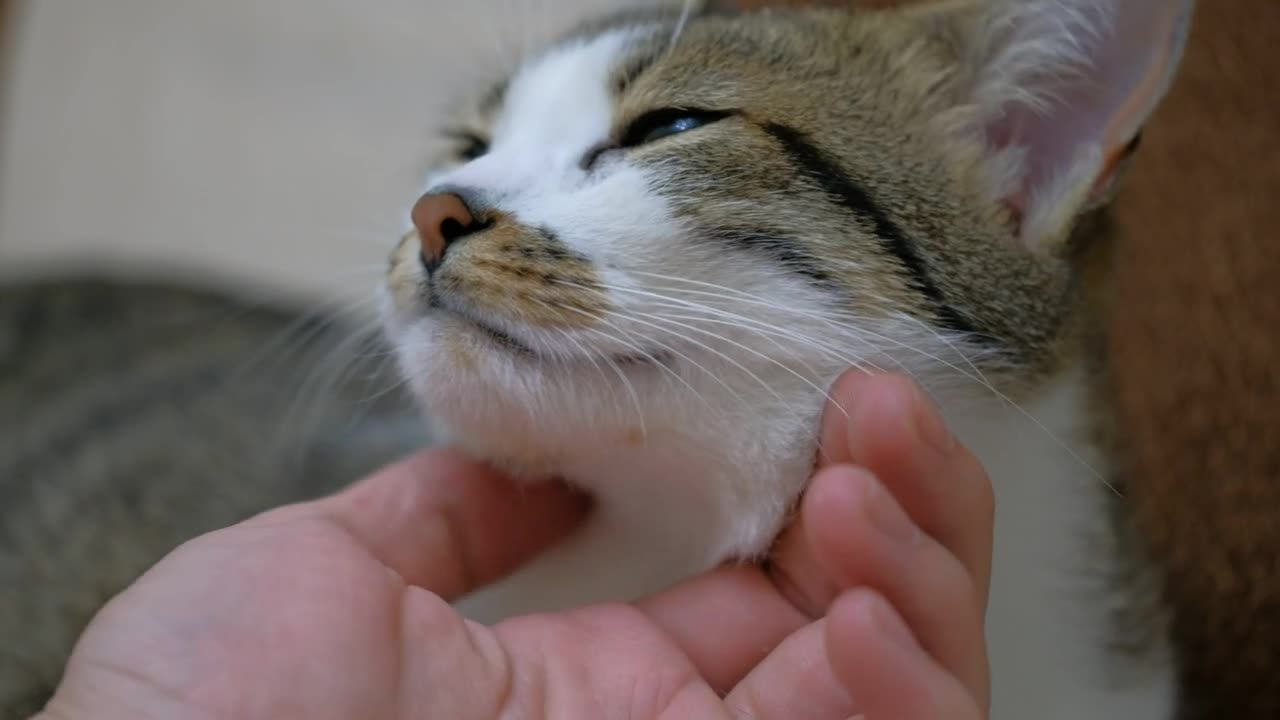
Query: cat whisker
593	358
763	328
825	393
701	345
710	316
941	337
739	296
329	371
853	333
663	346
613	365
633	316
640	351
686	12
770	333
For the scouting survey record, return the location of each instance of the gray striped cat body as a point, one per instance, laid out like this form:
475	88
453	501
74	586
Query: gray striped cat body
134	416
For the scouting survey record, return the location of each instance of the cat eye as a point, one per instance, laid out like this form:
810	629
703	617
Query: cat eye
658	124
470	146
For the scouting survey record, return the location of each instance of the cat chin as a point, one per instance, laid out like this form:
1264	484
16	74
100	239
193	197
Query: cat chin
529	428
533	417
650	433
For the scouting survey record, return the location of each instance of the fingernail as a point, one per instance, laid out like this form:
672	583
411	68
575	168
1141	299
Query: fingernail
930	426
888	517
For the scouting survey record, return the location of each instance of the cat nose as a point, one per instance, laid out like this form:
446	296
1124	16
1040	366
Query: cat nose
440	219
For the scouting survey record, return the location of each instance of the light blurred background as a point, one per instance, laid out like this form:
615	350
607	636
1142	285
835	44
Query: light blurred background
272	142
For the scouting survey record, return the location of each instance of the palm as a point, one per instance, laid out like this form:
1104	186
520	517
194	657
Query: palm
227	618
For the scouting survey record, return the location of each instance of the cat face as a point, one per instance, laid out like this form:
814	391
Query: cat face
729	209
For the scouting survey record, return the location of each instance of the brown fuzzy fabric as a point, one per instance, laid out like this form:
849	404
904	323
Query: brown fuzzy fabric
1194	331
6	13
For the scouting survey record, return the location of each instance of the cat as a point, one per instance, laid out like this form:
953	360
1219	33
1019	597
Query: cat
137	414
661	239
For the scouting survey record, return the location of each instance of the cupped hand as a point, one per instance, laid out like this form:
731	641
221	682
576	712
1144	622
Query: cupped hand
339	608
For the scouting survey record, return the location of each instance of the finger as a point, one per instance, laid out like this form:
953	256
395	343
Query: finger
795	682
794	565
725	622
863	538
893	430
447	524
877	660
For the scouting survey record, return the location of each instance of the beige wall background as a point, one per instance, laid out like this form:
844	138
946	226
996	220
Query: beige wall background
276	142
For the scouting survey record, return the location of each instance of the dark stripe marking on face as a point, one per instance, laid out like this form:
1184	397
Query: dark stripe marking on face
779	248
824	171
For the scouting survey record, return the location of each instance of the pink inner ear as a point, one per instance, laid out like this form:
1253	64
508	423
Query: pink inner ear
1084	104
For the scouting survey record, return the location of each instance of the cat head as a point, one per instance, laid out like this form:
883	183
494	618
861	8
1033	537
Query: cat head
668	208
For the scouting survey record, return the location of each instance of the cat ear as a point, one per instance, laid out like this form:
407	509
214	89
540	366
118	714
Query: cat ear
1059	91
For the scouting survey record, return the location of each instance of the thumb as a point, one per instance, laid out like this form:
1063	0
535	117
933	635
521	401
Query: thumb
448	524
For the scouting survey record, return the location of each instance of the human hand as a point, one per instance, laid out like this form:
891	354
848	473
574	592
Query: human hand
339	608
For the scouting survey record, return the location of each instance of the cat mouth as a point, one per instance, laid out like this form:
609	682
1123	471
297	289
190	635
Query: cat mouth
500	338
497	336
515	346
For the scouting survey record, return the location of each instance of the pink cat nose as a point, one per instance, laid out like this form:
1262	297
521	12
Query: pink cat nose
440	219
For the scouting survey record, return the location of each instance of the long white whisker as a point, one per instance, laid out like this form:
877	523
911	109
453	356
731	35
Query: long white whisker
713	351
644	353
761	329
594	359
950	344
737	320
685	13
846	330
753	300
744	298
591	357
825	393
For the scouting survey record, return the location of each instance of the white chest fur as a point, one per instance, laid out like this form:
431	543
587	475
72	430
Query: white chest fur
1049	618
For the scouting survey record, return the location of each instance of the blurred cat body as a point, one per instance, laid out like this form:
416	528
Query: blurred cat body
679	229
136	415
